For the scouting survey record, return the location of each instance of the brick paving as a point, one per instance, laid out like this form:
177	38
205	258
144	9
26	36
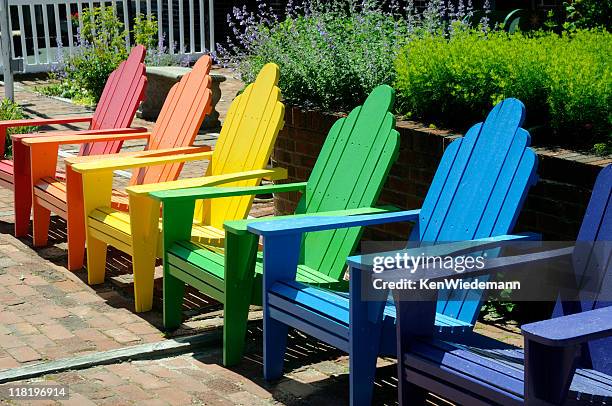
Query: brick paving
49	313
317	374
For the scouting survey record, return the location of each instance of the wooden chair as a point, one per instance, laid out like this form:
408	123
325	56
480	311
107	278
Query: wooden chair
122	94
567	360
347	178
183	111
477	193
241	154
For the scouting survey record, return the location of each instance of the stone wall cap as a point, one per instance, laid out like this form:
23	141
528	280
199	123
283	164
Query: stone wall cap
177	72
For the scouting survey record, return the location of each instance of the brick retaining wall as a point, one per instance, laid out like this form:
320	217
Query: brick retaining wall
554	207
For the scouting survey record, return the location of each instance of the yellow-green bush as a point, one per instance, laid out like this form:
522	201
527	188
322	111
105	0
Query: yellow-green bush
565	81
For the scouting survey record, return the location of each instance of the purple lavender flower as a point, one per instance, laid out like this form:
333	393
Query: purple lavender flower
484	21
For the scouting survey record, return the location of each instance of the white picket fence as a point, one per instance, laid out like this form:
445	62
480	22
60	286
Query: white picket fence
42	29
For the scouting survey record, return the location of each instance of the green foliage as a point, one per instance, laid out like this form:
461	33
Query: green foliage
145	31
10	110
588	14
602	149
329	60
101	48
496	311
103	29
565	81
90	69
67	89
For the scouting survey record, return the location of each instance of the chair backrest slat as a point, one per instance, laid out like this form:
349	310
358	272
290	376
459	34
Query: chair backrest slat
122	94
245	143
180	118
592	265
349	173
478	191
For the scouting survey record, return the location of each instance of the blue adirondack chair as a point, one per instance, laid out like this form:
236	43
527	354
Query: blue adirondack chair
567	359
477	193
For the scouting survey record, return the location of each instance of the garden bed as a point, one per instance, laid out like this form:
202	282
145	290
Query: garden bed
446	72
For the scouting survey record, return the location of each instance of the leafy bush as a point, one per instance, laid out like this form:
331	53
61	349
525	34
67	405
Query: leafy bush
565	81
10	110
67	89
145	31
588	14
327	60
101	48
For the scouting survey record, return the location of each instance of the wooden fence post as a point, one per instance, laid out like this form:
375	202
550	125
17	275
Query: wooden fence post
6	38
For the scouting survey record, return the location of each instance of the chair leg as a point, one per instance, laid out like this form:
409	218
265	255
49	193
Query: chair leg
41	218
75	219
362	363
76	247
174	290
275	345
411	394
415	318
240	257
144	278
97	192
43	161
364	346
22	190
23	209
235	320
144	226
96	260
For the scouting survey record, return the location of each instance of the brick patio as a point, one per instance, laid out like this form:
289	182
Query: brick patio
48	313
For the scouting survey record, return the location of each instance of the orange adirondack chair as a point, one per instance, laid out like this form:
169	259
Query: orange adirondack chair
122	94
186	105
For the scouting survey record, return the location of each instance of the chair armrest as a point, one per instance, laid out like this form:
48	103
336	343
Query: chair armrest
321	223
572	329
83	137
203	192
161	157
73	160
30	122
126	130
182	186
240	226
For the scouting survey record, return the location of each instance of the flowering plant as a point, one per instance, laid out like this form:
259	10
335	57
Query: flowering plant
101	46
331	54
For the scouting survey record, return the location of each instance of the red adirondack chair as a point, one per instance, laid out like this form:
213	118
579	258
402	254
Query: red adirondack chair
124	90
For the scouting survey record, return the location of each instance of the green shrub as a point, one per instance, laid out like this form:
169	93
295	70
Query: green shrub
145	31
67	89
102	29
565	81
588	14
101	48
10	110
328	59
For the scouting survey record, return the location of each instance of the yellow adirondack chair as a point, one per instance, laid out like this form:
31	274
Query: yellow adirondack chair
241	154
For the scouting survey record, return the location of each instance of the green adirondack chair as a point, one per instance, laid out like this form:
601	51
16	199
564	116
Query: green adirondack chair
346	179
